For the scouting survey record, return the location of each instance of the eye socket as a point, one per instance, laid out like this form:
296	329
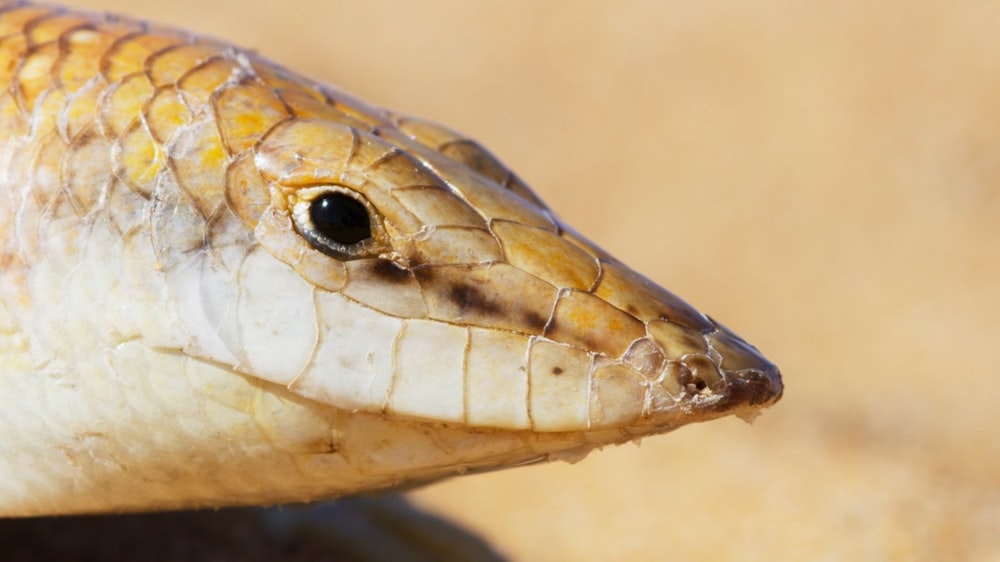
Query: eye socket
339	222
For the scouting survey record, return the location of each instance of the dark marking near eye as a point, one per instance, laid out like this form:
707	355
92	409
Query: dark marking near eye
534	320
469	298
423	273
464	295
557	371
389	271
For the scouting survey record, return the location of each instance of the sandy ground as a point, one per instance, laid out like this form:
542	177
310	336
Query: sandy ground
822	177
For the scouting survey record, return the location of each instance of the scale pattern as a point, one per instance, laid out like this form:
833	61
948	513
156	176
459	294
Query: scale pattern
172	336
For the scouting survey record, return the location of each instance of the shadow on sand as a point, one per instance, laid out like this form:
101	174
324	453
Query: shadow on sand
370	529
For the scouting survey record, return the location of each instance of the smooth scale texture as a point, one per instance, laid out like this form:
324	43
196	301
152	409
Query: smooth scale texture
170	338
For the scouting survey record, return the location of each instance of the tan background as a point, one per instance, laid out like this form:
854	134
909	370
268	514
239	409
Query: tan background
822	177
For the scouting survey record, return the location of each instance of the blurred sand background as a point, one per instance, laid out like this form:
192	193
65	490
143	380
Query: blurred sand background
824	178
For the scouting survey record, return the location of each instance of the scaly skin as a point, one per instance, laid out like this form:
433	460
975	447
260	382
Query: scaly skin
173	335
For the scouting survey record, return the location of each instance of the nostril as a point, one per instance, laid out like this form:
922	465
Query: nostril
693	384
683	379
705	375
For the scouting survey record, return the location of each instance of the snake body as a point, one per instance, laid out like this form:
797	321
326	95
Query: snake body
179	327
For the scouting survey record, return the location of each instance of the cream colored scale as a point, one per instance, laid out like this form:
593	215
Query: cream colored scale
181	325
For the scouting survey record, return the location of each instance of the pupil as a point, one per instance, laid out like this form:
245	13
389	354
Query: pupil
340	218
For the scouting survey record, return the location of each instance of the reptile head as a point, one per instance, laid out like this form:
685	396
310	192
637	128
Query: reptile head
226	284
487	310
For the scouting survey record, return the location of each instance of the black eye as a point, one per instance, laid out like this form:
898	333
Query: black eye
339	222
340	218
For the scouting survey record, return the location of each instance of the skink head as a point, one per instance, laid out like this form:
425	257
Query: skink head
495	314
396	305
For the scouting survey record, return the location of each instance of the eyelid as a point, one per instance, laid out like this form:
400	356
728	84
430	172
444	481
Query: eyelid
377	244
